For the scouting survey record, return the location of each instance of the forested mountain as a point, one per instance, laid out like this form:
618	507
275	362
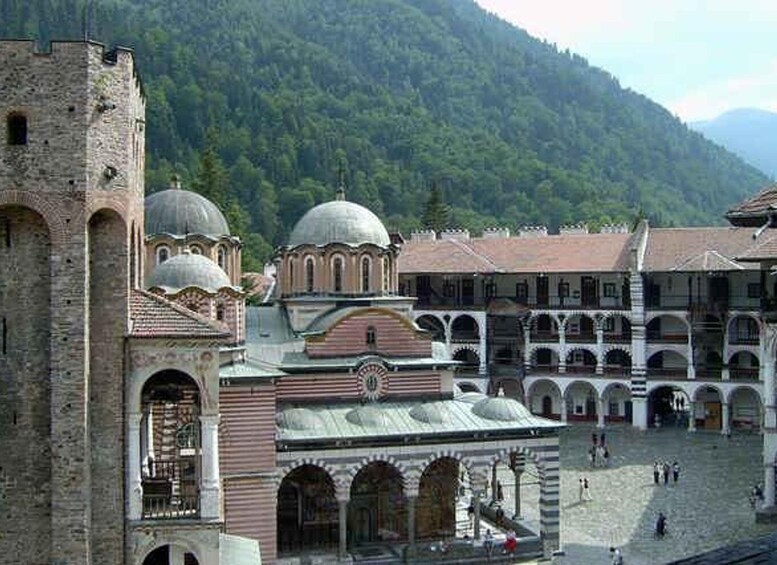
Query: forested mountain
749	132
259	103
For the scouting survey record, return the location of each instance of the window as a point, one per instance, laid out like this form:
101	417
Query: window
337	274
221	256
162	254
195	250
366	274
17	129
563	290
386	277
754	290
372	340
522	292
609	290
291	274
220	312
309	280
609	325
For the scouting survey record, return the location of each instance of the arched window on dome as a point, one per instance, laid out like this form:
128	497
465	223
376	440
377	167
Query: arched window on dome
221	257
366	265
309	274
372	338
292	266
220	312
337	274
195	249
162	254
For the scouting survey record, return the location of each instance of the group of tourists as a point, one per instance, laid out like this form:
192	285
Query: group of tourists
508	547
663	469
598	453
584	493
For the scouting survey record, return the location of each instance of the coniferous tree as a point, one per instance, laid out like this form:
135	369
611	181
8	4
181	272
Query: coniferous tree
436	213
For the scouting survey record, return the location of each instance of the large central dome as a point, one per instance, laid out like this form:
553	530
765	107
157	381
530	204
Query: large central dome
339	221
180	212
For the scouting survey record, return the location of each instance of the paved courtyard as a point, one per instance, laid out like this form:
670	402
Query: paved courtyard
707	508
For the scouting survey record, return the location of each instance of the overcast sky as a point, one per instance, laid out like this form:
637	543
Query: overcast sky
698	58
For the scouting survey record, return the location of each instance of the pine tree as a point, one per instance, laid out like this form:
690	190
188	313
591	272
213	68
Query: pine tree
436	213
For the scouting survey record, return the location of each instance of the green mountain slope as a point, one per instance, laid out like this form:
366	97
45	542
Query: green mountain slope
278	94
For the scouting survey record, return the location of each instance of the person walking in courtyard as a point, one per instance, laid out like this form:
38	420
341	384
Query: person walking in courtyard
661	525
606	456
488	544
580	493
656	471
471	515
666	472
675	471
601	439
617	556
586	490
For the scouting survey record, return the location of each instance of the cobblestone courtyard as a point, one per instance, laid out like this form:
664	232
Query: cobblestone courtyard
707	508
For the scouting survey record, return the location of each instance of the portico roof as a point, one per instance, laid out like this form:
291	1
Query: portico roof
393	420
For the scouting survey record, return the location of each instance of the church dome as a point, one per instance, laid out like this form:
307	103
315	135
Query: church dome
431	413
339	221
367	416
180	212
299	419
502	409
188	269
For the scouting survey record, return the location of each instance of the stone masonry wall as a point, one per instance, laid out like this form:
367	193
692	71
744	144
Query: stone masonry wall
81	156
25	467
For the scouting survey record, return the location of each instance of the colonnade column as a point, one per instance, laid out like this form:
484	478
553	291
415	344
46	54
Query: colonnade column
411	498
725	426
563	410
482	331
562	346
211	487
342	516
770	415
599	347
133	467
691	416
518	469
476	506
600	413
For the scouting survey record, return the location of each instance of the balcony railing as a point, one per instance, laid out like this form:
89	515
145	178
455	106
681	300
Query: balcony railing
581	338
164	507
743	374
744	339
543	337
674	373
667	337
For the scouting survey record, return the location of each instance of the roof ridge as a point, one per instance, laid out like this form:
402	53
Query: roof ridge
468	249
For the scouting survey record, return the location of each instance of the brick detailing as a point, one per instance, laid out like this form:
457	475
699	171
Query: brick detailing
318	387
250	510
247	430
25	411
396	336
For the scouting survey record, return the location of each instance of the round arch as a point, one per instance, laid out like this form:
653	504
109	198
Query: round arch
743	329
377	508
708	410
464	328
170	554
433	324
668	406
617	402
581	359
746	408
667	363
581	401
438	489
743	366
307	510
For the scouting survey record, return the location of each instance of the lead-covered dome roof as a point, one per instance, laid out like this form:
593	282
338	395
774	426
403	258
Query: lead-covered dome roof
339	221
502	409
188	269
181	212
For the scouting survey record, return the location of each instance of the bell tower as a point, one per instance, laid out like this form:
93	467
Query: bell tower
71	223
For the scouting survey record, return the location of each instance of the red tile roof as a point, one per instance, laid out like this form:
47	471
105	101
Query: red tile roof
152	316
763	249
702	249
578	253
759	205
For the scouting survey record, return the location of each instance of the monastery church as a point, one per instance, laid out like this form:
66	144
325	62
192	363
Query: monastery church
148	416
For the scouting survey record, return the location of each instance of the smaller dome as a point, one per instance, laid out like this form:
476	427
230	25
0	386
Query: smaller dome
469	397
181	212
188	269
299	419
339	221
502	409
367	417
431	413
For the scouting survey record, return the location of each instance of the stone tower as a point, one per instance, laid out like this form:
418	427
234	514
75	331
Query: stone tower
71	197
